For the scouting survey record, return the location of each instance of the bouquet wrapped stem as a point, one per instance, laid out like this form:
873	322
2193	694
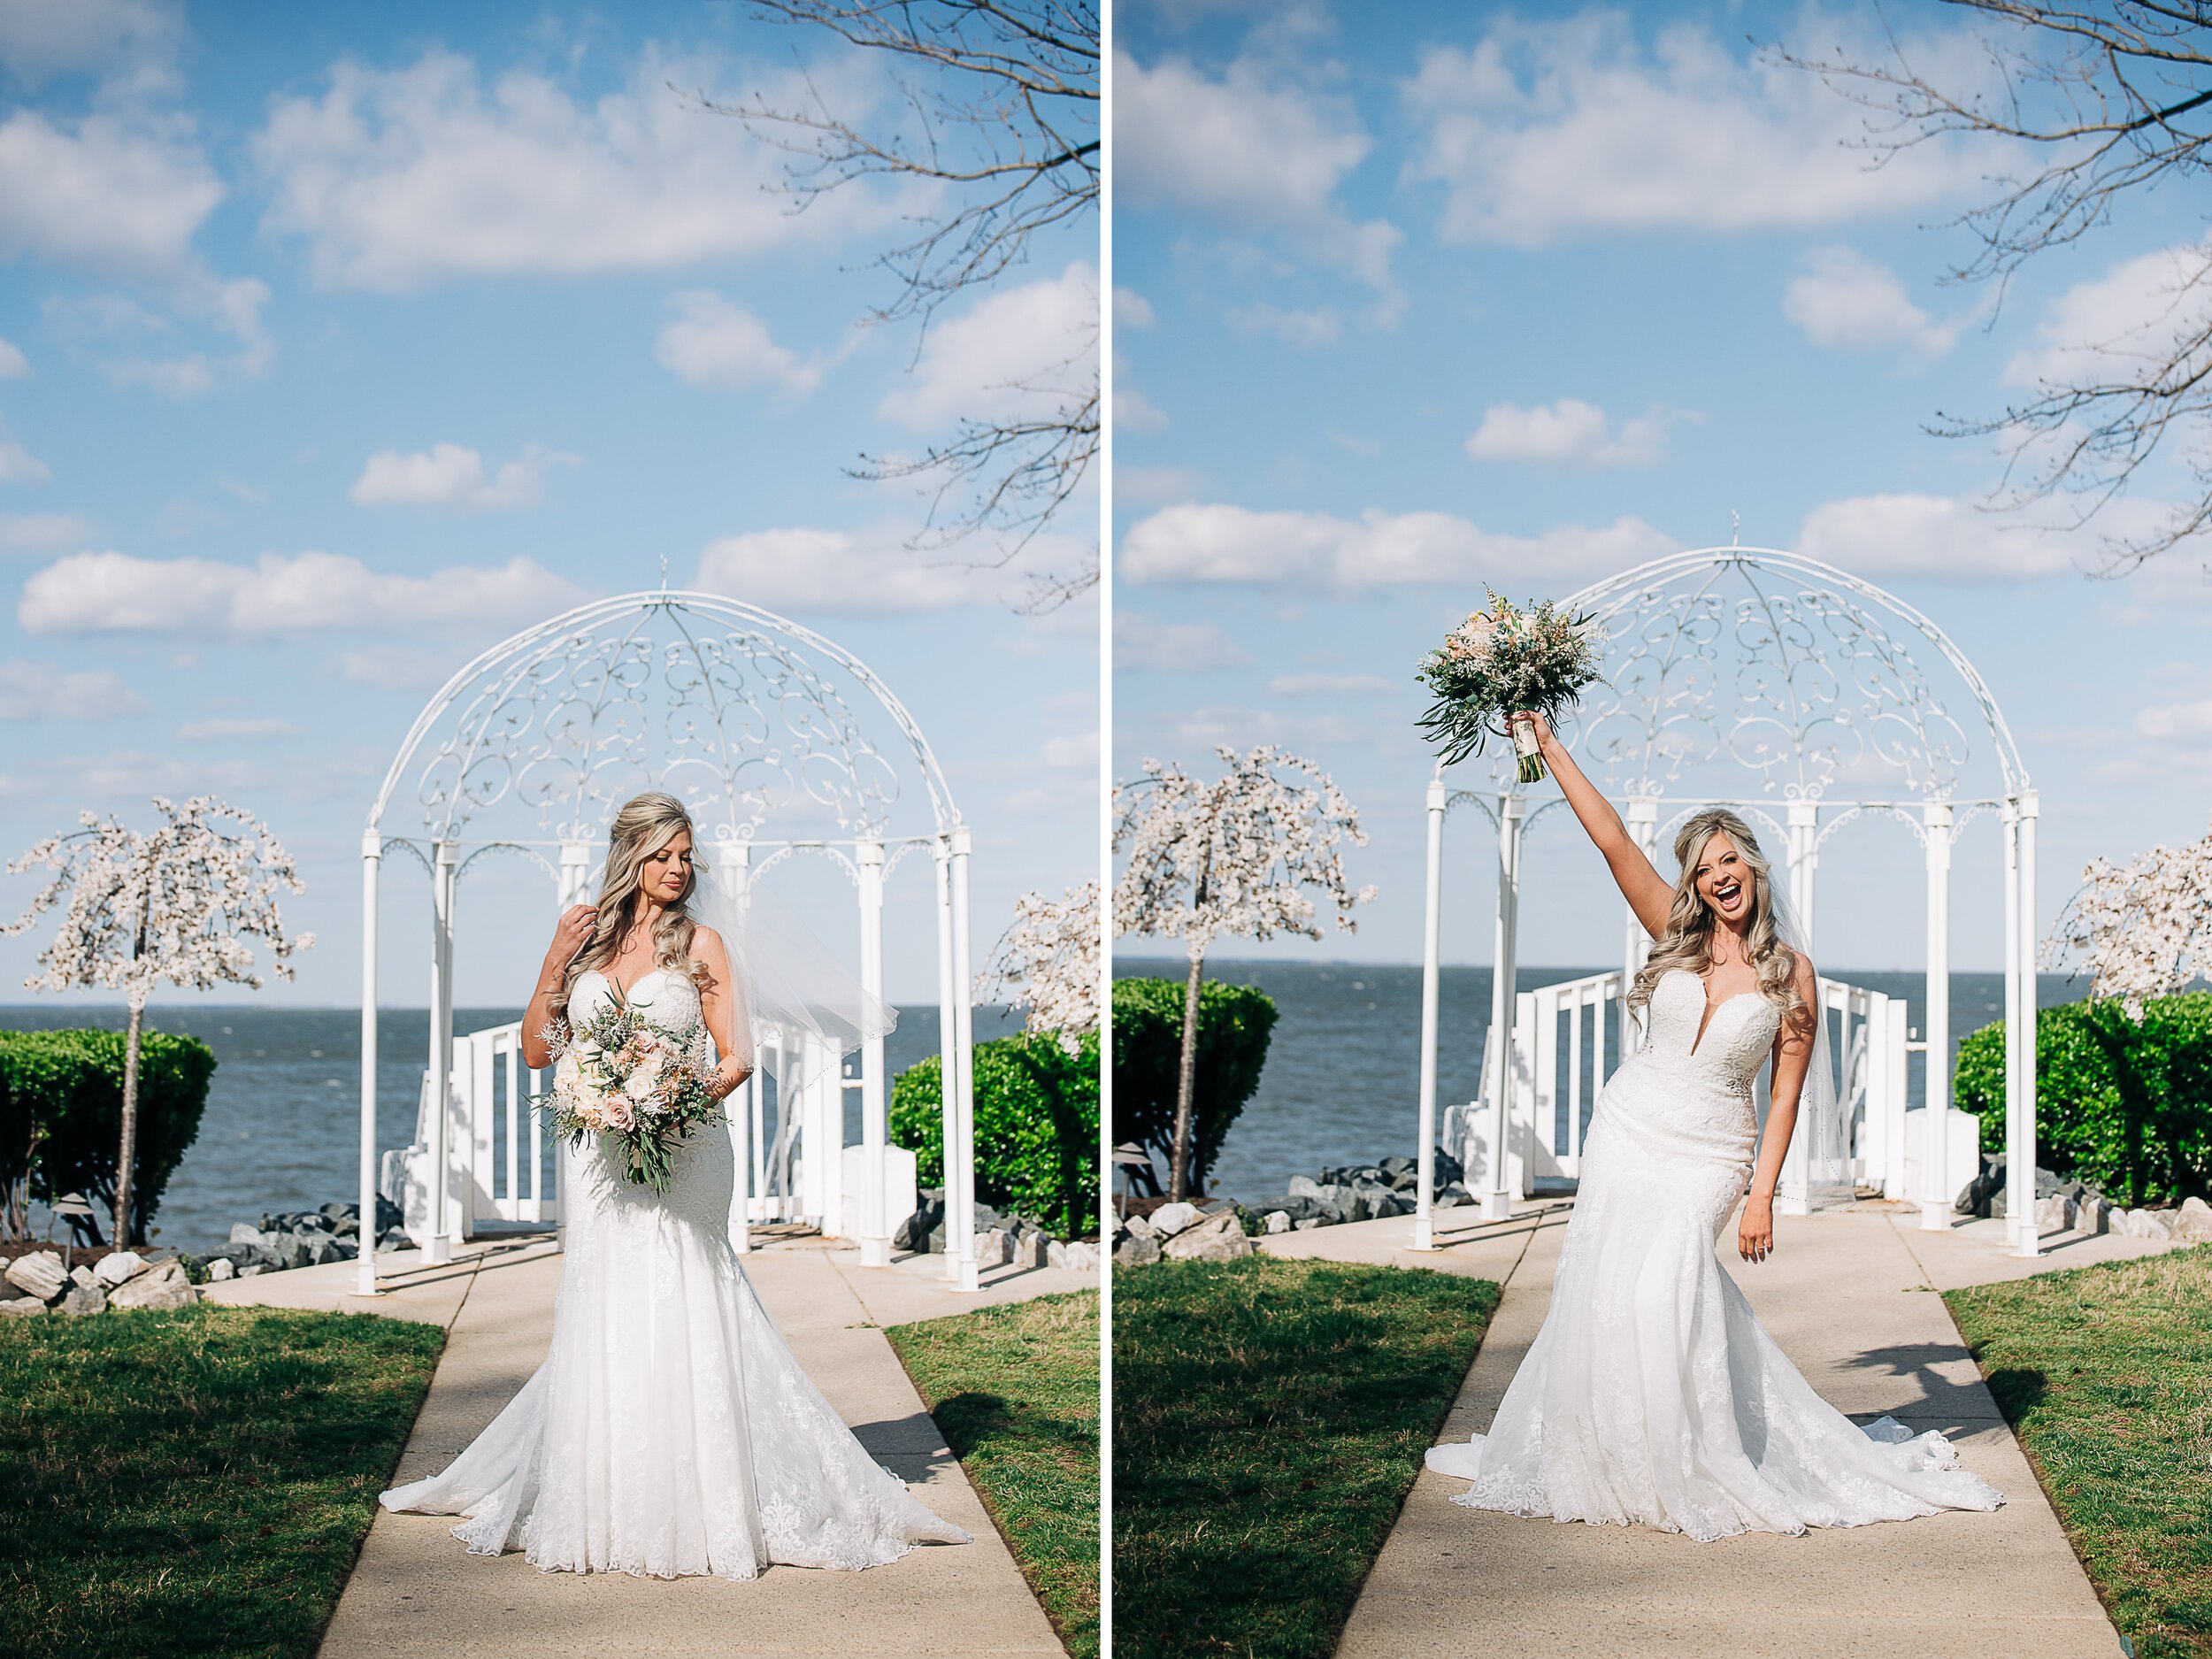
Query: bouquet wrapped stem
1499	663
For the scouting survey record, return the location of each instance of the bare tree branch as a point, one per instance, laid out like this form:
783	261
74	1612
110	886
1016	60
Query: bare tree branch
2109	100
1004	113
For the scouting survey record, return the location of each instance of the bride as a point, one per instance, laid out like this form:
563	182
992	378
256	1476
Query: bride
1652	1392
669	1431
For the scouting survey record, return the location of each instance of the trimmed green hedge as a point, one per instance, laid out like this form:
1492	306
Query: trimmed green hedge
1036	1128
1234	1023
2124	1106
61	1094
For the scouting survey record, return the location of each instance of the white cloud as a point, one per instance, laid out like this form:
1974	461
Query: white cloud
1144	642
2128	319
451	476
19	466
33	691
13	364
1842	301
1939	536
1131	309
115	593
1195	543
1133	411
108	193
398	179
1570	432
1017	351
1156	486
2176	722
234	307
1573	126
711	343
399	667
872	569
41	531
220	730
1249	155
1321	325
39	38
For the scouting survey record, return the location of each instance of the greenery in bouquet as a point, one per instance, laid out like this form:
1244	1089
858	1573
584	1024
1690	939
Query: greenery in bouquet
1499	662
637	1085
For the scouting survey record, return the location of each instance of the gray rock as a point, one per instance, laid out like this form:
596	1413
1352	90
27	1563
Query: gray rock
1220	1238
1276	1221
1170	1219
81	1275
119	1265
285	1250
2092	1213
1304	1186
220	1269
252	1268
41	1275
2055	1214
993	1248
2194	1223
1308	1225
1077	1255
1138	1227
164	1285
83	1299
21	1308
1139	1249
1030	1249
323	1248
242	1233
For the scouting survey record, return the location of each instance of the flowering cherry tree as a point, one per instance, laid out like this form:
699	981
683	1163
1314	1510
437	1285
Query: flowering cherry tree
1241	854
176	905
1048	962
2145	928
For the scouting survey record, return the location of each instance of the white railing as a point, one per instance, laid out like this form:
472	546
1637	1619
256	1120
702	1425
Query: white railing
506	1169
1561	1057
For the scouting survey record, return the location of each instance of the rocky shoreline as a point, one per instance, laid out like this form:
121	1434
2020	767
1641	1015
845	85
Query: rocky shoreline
284	1240
35	1282
1221	1229
1001	1241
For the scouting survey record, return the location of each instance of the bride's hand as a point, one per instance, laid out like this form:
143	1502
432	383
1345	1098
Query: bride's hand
1535	721
572	933
727	1078
1754	1234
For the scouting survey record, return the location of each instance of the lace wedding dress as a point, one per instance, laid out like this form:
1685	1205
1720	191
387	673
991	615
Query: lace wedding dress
1653	1393
669	1431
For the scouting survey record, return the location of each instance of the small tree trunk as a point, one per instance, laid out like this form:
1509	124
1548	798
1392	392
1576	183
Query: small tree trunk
1186	1083
127	1156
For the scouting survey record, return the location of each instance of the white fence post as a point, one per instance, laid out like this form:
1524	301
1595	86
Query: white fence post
1501	1191
2027	1238
439	1247
1423	1218
372	862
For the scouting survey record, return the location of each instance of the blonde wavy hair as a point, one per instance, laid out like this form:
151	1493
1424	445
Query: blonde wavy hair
646	824
1687	941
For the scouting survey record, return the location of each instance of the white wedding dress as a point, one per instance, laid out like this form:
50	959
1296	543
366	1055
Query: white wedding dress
669	1431
1653	1393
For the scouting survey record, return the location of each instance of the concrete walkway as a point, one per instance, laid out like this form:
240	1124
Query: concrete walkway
1851	1299
416	1591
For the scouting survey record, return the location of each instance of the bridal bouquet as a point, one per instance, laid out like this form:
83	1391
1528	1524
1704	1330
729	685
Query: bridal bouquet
637	1085
1500	662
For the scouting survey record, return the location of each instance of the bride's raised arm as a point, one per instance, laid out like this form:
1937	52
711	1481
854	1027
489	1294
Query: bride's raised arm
1649	894
722	1007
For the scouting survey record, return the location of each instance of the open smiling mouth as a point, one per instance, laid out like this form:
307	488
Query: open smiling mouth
1727	893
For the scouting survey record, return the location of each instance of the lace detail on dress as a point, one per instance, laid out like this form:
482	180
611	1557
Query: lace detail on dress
1653	1393
670	1431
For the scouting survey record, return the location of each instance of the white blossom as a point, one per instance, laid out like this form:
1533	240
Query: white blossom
2145	928
1048	962
1234	856
177	904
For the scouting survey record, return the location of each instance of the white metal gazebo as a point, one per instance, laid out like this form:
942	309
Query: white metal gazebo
784	745
1809	700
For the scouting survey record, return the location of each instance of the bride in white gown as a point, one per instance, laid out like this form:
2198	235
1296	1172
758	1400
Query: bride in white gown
1653	1393
669	1431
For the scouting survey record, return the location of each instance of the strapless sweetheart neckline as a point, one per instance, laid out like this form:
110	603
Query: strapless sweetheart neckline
1712	1008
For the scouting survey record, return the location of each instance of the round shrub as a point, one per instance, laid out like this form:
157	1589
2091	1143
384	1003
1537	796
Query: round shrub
2124	1106
1036	1128
61	1113
1234	1024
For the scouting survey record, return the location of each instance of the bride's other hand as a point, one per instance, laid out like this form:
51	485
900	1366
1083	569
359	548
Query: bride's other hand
1754	1234
1536	723
727	1078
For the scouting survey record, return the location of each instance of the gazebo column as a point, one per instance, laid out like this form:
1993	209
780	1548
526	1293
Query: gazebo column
2008	825
875	1239
948	1051
740	1110
2027	1238
960	1224
575	876
371	864
1936	1186
1424	1218
445	875
1643	829
1498	1195
1793	1193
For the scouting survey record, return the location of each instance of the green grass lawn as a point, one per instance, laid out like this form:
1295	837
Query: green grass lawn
194	1483
1015	1389
2106	1375
1269	1418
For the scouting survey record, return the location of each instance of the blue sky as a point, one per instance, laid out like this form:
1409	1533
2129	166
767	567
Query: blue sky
1524	297
340	342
